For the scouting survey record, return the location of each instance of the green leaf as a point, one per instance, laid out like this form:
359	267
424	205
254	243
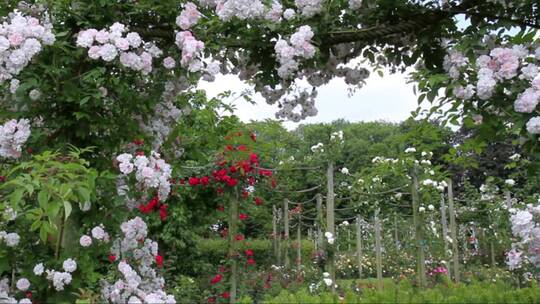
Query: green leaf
16	196
84	194
67	209
43	198
43	233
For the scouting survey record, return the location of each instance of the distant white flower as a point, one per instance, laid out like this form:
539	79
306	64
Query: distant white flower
515	157
85	241
510	182
38	269
421	209
410	150
23	284
345	171
69	265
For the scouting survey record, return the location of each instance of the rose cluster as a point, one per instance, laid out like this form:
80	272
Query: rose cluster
525	226
298	46
117	42
150	172
13	134
98	233
21	38
137	280
508	66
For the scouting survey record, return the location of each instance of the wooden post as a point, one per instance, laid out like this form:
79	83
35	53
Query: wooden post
330	221
320	240
508	199
396	236
299	245
453	231
378	249
233	230
359	249
348	239
279	215
444	224
418	235
275	233
286	233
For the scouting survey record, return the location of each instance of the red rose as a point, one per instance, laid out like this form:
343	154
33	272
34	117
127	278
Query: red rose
112	258
159	260
253	136
242	216
251	261
193	181
239	237
216	279
220	208
205	180
258	201
138	142
248	252
241	148
231	182
254	158
212	300
225	295
163	212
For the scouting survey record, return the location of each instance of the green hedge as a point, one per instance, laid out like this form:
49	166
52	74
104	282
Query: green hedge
404	293
214	250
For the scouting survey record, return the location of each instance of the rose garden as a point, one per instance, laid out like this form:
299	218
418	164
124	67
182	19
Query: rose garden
123	181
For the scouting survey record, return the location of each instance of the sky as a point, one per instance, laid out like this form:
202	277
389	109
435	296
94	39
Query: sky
387	98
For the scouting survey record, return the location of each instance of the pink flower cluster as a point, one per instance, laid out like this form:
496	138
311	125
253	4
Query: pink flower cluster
189	16
299	47
117	42
437	271
13	134
21	38
191	50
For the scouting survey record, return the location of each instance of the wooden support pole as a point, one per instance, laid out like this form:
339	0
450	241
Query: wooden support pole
359	249
286	232
453	231
233	230
275	233
444	224
508	199
396	236
330	219
418	231
320	240
299	245
378	249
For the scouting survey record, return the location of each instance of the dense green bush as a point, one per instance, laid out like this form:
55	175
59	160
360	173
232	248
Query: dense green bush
216	249
404	293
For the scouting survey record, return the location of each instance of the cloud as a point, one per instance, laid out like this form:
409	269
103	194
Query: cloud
387	98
